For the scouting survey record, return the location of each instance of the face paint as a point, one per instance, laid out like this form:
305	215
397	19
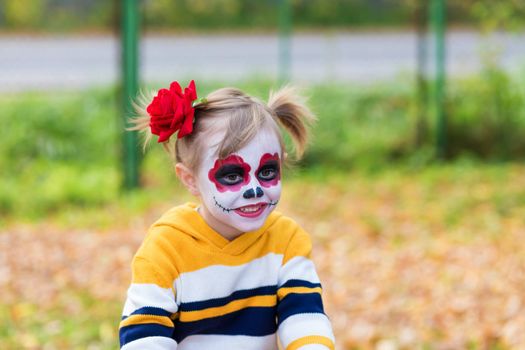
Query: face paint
269	172
229	174
239	191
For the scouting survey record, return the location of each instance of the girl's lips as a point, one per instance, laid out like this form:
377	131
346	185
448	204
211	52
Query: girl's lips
251	211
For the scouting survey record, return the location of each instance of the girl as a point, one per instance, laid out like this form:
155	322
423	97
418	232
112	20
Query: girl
230	272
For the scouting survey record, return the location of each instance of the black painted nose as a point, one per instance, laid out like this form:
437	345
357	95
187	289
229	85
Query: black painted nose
251	193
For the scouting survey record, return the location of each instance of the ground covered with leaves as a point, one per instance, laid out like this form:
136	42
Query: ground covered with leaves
409	259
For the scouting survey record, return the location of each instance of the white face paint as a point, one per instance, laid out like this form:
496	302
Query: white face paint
240	191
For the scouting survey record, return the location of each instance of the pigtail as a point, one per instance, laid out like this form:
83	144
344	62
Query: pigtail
292	113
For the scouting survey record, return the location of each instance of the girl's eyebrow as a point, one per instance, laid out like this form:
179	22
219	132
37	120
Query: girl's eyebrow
270	162
229	168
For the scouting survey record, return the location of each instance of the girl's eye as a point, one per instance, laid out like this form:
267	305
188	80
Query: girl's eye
232	179
229	175
267	174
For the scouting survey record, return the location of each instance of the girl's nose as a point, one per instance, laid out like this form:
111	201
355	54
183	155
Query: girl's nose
251	193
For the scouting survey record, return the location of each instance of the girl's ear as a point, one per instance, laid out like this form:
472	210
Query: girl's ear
187	177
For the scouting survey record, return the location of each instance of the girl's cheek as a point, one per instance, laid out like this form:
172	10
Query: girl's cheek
213	196
227	199
273	192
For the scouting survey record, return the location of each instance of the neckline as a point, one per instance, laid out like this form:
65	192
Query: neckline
233	247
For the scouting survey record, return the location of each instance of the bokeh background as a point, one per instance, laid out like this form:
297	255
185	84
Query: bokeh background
413	187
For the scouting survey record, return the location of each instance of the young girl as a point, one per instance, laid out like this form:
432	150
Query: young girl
230	272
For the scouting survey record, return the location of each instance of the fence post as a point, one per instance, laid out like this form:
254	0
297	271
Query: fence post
421	22
285	25
438	9
129	64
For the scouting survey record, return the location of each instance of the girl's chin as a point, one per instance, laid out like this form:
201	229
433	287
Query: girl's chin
247	224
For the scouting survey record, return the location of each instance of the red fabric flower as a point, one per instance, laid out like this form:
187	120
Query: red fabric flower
171	111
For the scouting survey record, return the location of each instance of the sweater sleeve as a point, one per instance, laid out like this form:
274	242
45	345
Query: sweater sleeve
302	323
147	320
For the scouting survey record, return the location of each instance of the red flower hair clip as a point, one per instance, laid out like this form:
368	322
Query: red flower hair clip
172	110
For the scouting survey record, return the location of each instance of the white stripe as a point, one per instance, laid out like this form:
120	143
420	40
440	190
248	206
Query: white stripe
302	325
228	342
298	268
151	343
219	281
145	294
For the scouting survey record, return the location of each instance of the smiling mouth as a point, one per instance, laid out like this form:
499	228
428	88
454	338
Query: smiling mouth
251	211
248	211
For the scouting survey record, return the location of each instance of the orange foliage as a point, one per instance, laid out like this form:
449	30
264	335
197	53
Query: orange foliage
406	260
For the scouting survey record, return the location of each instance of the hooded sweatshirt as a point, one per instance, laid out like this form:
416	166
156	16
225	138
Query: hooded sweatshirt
193	289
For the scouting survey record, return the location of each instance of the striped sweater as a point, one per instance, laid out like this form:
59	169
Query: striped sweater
193	289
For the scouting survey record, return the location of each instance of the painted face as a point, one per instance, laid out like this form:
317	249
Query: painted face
241	190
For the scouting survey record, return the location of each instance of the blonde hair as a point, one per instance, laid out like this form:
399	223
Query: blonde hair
240	116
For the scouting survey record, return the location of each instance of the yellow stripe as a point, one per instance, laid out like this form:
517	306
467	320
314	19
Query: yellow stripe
145	271
167	247
313	339
145	319
167	252
236	305
282	292
300	245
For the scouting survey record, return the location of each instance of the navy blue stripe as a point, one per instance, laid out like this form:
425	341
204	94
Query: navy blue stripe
300	283
149	310
253	321
137	331
295	303
240	294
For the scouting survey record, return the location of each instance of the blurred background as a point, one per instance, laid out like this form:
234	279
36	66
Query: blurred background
412	189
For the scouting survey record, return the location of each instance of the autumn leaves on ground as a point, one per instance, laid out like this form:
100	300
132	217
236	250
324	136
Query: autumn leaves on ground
427	259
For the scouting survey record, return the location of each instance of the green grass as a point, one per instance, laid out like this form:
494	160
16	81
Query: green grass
61	151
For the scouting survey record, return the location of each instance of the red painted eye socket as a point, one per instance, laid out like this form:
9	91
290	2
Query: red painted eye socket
269	171
230	173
